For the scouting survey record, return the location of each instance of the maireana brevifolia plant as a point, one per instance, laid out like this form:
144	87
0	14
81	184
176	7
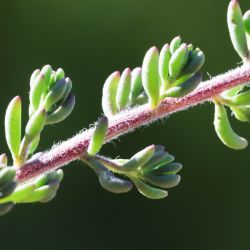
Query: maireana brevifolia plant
168	81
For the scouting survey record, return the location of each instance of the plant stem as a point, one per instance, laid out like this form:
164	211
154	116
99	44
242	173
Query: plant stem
129	120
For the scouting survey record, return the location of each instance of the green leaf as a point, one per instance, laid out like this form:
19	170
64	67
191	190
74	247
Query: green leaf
21	192
163	181
13	122
34	75
43	193
178	61
109	106
150	76
109	181
246	21
55	94
36	92
195	62
47	72
225	131
51	83
149	192
170	168
139	159
114	184
164	59
35	125
63	111
67	90
33	146
136	85
242	99
49	177
236	29
241	113
59	75
98	136
175	44
123	90
184	88
46	187
158	159
233	91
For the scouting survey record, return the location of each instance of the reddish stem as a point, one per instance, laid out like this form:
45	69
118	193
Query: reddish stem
126	121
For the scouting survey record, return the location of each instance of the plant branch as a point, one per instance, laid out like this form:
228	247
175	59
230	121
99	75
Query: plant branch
129	120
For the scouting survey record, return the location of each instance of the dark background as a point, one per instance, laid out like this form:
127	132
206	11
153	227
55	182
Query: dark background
210	209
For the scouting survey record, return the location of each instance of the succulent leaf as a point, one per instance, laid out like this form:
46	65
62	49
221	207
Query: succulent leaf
225	131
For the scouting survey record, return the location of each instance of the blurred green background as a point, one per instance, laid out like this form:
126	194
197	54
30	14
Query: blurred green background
90	39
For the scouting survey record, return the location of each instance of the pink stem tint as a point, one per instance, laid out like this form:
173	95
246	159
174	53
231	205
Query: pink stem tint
129	120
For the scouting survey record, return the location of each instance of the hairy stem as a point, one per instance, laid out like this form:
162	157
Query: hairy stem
129	120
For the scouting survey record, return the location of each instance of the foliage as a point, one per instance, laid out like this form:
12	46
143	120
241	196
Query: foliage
174	71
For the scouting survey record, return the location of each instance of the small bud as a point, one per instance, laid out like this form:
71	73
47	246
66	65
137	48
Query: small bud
195	62
185	87
165	56
149	192
175	44
163	181
139	159
123	90
236	29
98	136
178	61
109	106
13	122
55	94
35	125
63	111
150	76
6	207
136	84
225	131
